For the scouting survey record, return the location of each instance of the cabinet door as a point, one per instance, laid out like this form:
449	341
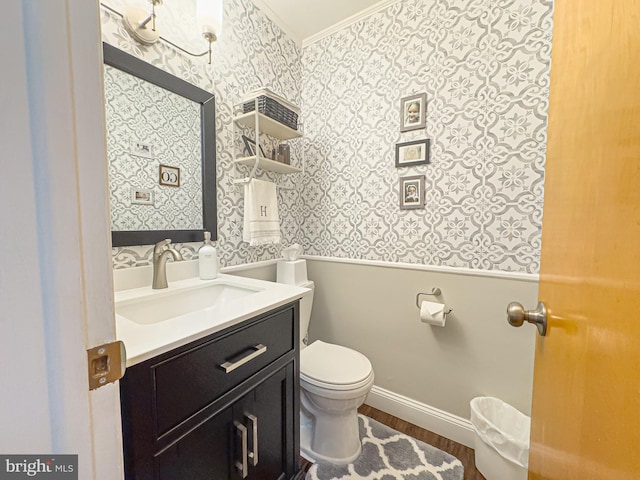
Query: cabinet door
268	414
204	454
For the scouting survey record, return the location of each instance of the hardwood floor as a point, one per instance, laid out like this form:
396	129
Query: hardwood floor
465	454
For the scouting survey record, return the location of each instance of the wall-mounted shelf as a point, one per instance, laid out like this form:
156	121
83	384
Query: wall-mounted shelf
267	164
261	123
267	125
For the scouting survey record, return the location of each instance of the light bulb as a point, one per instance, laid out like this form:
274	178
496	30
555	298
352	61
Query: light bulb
209	14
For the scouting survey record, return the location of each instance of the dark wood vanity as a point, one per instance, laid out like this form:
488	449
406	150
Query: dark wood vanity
223	407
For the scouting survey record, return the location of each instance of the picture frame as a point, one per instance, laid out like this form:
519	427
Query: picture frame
169	176
141	149
413	112
412	192
250	145
411	153
141	197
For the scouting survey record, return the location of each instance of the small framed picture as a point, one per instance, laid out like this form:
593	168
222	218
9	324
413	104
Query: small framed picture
413	112
412	153
411	192
169	176
250	145
141	197
141	149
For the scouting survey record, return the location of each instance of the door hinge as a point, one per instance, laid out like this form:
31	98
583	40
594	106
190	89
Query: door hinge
106	364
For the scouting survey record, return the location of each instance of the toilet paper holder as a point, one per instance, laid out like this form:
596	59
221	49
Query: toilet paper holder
435	291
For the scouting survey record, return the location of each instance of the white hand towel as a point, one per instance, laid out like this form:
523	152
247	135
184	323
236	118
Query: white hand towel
261	219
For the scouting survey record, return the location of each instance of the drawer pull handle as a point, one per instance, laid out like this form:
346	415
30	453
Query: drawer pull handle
253	454
231	366
243	467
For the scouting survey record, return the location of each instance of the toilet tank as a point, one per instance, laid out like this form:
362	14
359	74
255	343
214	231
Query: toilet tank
306	302
295	273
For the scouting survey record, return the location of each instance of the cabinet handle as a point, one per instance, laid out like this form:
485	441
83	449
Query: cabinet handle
253	454
242	467
231	366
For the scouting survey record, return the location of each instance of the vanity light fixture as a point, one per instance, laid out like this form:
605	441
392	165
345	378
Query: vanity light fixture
141	25
136	23
209	14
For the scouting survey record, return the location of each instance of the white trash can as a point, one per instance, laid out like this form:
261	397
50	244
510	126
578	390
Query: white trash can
501	439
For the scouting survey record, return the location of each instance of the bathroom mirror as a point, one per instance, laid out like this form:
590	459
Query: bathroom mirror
160	151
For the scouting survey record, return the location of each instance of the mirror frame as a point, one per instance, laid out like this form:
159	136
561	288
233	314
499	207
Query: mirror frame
116	58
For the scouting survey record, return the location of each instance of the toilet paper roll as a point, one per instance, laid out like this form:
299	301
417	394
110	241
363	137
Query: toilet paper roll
432	313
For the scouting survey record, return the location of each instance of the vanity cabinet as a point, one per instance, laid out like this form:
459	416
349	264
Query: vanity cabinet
222	407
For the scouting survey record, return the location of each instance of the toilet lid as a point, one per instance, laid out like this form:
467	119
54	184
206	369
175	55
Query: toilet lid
327	364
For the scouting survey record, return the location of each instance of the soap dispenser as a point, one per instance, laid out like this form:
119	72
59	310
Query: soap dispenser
207	259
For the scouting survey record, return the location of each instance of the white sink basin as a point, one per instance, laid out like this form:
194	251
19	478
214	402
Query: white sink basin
163	306
151	322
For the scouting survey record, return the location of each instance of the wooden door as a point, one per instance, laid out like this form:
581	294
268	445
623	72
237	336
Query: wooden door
586	399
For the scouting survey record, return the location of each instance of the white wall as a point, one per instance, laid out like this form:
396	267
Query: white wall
373	310
371	307
53	298
484	67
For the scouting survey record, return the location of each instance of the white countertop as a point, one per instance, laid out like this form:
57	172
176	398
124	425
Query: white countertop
144	341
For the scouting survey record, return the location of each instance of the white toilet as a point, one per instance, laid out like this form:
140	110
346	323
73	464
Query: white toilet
334	382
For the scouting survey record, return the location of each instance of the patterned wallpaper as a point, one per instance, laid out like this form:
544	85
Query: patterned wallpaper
484	66
138	112
251	53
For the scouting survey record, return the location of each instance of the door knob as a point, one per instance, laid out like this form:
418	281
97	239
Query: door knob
517	315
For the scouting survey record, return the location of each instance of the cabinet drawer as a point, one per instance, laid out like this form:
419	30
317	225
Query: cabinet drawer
188	382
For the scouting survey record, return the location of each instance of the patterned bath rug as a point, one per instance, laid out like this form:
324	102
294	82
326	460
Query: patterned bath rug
390	455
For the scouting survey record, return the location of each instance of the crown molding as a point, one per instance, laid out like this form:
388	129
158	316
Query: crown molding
263	5
346	22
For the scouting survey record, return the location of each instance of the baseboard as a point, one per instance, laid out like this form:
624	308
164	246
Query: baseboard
430	418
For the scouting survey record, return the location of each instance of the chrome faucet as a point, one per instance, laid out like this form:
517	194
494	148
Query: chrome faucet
160	256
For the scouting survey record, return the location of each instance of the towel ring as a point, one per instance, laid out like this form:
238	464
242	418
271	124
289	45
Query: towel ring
243	181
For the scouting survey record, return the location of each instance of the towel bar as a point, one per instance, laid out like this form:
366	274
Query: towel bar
242	181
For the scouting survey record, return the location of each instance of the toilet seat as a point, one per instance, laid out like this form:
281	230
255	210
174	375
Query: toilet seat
334	367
